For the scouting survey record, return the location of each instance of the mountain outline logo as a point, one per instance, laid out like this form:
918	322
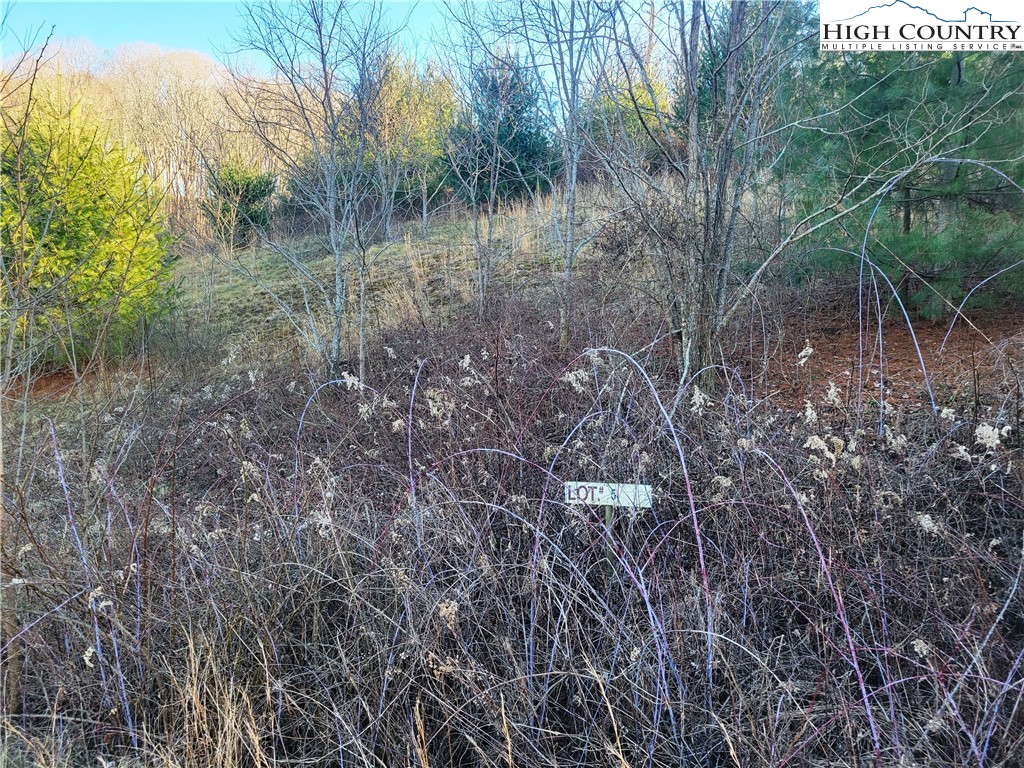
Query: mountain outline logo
911	6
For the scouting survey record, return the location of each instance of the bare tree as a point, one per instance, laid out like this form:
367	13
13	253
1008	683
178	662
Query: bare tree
724	60
162	104
17	86
472	147
725	63
408	129
315	115
429	111
565	42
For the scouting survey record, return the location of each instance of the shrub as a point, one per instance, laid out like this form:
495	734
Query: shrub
500	146
84	252
239	204
233	585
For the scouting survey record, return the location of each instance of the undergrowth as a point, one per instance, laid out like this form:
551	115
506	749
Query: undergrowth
262	568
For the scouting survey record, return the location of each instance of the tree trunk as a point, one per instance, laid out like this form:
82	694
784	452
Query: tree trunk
481	266
568	258
425	201
907	220
11	663
363	272
947	202
337	314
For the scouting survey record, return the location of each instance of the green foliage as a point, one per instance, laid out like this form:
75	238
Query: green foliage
934	269
944	226
501	145
82	239
239	208
765	25
415	115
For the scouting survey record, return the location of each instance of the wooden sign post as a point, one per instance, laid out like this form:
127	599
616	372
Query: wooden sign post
608	496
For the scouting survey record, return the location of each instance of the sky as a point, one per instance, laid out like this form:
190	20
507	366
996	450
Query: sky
200	26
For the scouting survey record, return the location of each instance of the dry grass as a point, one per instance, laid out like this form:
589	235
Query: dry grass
246	299
220	559
259	568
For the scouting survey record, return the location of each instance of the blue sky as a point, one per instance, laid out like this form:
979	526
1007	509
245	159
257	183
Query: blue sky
201	26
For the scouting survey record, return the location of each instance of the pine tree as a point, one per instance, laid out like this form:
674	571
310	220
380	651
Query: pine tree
945	225
84	254
239	208
511	150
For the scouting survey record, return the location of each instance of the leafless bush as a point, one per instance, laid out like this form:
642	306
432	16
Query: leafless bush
270	571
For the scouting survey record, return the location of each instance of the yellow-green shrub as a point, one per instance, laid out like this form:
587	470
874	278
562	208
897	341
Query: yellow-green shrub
81	236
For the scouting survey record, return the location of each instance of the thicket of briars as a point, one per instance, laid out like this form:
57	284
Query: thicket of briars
298	353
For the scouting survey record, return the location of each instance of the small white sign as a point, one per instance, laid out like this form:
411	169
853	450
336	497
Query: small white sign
608	495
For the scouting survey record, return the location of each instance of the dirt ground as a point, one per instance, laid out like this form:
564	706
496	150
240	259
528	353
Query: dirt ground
972	361
974	358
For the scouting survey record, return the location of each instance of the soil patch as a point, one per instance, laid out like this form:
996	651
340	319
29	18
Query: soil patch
972	358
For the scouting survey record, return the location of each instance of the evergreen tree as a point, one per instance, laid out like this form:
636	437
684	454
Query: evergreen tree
503	142
944	226
81	235
239	208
